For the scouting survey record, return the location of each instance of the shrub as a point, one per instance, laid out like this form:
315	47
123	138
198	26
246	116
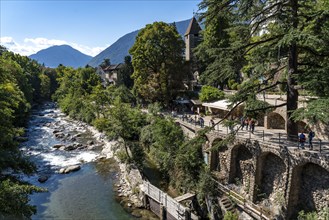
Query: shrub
209	93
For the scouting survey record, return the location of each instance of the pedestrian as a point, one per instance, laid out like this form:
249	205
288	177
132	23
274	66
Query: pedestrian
311	135
302	140
246	122
242	121
252	125
201	122
212	123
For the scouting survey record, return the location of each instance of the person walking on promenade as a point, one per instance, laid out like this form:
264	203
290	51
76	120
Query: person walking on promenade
242	121
246	122
302	139
311	135
252	125
212	123
201	122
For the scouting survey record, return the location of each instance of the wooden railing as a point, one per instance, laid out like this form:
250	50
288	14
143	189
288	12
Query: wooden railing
245	204
175	209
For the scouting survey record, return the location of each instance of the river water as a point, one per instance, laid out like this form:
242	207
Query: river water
85	194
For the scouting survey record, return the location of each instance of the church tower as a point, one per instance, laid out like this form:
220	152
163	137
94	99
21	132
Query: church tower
192	38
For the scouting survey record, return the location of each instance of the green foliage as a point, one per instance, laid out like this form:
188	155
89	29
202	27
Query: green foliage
231	216
188	164
154	108
125	123
163	137
20	80
125	72
255	107
78	91
14	198
45	86
209	94
322	214
256	39
122	156
315	112
206	186
101	124
157	62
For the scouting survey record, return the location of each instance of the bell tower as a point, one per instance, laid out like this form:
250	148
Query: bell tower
192	38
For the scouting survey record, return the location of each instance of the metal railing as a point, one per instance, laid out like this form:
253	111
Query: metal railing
266	137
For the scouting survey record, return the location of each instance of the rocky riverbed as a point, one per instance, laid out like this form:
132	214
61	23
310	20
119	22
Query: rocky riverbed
77	165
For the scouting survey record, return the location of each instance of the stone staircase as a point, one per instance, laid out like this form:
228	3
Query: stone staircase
226	205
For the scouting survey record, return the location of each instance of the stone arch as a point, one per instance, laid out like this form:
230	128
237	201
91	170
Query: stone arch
260	119
309	189
275	121
271	177
217	161
302	126
241	166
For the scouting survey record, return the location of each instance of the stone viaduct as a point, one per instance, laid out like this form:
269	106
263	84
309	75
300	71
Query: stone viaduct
279	178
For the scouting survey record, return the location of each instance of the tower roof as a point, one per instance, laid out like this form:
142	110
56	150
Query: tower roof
193	27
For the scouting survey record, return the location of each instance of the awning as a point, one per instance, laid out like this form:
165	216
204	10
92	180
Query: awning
221	104
183	101
196	102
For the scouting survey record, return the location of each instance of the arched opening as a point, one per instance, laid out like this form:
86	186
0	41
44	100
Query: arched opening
275	121
217	160
309	185
302	126
260	119
270	178
241	165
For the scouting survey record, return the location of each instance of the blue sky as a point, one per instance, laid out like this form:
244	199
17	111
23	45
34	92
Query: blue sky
89	26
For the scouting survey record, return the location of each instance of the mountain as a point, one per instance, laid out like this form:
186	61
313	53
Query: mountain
119	49
64	54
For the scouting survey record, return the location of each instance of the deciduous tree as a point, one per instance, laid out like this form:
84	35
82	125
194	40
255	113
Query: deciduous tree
157	62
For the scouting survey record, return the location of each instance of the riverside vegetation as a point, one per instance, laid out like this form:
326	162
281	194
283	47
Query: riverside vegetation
291	55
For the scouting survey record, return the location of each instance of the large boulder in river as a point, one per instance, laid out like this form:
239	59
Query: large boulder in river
70	169
42	179
59	135
56	131
70	147
57	146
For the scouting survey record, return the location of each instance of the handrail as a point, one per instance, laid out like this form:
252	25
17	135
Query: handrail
244	203
172	206
268	138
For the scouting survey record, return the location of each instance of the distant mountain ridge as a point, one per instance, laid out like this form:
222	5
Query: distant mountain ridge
63	54
119	49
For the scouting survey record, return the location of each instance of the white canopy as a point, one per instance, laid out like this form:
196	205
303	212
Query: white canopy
221	104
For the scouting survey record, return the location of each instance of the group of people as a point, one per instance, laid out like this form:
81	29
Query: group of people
248	123
196	119
302	139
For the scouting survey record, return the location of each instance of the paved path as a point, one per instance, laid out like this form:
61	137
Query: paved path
273	136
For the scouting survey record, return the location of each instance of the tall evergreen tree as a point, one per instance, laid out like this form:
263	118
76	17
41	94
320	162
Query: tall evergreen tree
283	42
125	72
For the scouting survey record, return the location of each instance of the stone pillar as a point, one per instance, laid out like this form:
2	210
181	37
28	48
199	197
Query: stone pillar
145	201
163	214
265	122
187	214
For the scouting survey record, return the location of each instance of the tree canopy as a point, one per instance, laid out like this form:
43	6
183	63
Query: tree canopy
209	94
20	77
157	62
282	42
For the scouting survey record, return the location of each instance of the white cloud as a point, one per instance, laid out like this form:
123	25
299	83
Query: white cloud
32	45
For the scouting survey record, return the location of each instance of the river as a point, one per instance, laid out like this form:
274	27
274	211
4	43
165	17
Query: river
84	194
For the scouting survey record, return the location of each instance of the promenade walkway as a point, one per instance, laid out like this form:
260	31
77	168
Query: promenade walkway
272	136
